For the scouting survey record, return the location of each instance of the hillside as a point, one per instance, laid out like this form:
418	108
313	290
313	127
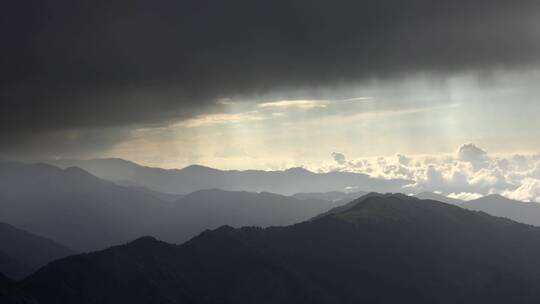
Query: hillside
422	251
22	253
497	205
86	213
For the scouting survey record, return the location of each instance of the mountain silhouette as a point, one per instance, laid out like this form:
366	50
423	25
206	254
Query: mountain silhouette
497	205
333	196
13	268
86	213
196	177
10	293
385	249
73	207
22	253
347	204
213	208
438	197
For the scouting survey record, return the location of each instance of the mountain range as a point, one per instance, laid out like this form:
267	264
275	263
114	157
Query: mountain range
384	249
439	197
22	253
497	205
86	213
195	177
333	196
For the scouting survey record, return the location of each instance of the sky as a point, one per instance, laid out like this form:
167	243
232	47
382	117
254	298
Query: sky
269	84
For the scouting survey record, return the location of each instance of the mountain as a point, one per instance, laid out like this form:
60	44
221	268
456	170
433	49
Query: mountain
218	271
86	213
497	205
159	195
75	208
347	204
13	268
10	293
439	198
21	253
385	249
195	177
210	209
332	196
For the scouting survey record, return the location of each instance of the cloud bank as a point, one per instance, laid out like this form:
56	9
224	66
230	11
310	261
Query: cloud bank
468	174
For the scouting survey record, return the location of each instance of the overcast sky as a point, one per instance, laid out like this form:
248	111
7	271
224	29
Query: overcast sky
267	84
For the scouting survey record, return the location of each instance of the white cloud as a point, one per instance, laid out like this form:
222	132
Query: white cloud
468	174
221	118
528	191
465	196
362	99
299	104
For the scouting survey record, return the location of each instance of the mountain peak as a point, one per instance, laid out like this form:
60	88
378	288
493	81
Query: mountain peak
359	203
76	171
495	198
298	170
192	168
438	197
392	206
377	200
144	240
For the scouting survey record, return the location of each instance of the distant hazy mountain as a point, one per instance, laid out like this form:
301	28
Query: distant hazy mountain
332	196
75	208
209	209
497	205
194	178
85	213
159	195
22	253
439	198
386	249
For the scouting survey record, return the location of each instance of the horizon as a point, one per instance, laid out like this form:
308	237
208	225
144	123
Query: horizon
468	174
308	166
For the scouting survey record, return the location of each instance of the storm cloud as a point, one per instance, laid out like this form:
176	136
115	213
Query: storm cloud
77	67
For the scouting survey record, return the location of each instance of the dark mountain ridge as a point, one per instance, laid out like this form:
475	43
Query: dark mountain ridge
22	253
438	197
385	249
11	293
333	196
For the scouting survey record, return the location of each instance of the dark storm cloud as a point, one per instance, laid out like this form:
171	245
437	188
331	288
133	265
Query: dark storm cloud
94	64
64	143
